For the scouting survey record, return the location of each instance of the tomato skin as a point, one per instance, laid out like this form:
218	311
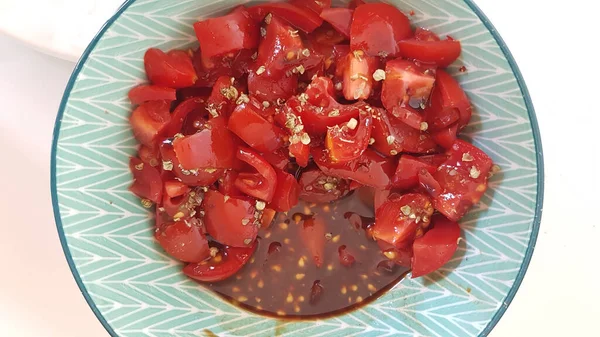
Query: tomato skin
313	189
191	105
345	144
230	261
287	192
370	169
445	137
436	247
377	28
229	220
396	220
183	240
312	234
227	34
450	97
299	17
260	134
147	183
428	182
403	138
278	159
339	18
407	172
406	84
260	184
173	69
211	148
144	93
149	120
462	182
441	53
358	72
199	178
270	87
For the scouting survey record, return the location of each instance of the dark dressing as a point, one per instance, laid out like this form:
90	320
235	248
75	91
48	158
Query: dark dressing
282	280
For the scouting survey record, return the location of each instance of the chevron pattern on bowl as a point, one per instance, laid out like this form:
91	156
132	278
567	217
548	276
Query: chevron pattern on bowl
136	290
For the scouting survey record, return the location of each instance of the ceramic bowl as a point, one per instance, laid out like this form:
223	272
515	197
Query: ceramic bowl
136	290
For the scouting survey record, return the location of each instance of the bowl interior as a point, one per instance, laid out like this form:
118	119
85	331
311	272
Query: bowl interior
136	290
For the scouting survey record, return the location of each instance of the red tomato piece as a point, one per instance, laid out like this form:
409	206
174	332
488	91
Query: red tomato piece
392	136
260	184
229	220
208	74
300	152
267	218
260	134
355	3
192	106
183	240
277	159
410	117
149	120
398	221
377	28
463	179
449	96
370	169
428	182
179	207
192	92
225	264
406	84
441	53
358	72
147	183
445	137
227	184
436	247
211	148
350	140
316	6
174	188
171	166
407	172
346	258
269	86
339	18
280	51
173	70
223	97
312	233
144	93
316	186
287	192
149	155
299	17
401	256
423	34
227	34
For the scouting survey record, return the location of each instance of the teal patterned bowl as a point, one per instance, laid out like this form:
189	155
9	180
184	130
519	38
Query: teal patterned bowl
136	290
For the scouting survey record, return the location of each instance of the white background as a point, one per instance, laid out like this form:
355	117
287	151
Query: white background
555	45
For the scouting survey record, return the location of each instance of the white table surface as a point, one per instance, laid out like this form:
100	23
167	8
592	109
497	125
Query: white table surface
560	294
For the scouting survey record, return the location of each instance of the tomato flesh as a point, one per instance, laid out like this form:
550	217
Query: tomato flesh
407	171
147	182
251	127
400	220
173	69
436	247
229	220
315	186
349	141
144	93
225	264
183	240
440	53
149	120
406	84
260	184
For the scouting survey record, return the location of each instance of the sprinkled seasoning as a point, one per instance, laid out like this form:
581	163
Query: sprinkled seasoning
260	70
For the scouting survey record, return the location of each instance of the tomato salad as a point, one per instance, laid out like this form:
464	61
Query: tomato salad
308	149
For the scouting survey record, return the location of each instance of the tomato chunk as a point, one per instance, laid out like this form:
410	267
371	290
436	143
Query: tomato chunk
287	192
226	34
183	240
407	172
144	93
223	97
269	86
339	18
406	84
173	69
227	262
191	106
211	148
463	179
398	221
377	28
171	166
312	233
260	134
350	140
393	136
230	221
440	53
422	34
358	72
174	188
260	184
149	120
299	17
316	186
436	247
147	183
448	102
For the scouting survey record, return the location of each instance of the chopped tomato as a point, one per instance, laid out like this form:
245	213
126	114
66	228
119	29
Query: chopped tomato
208	74
149	120
448	97
445	137
398	220
227	184
278	159
144	93
267	218
339	18
260	184
428	182
227	34
171	166
358	72
312	233
174	188
316	6
230	221
173	69
410	117
211	148
193	106
400	255
346	258
269	87
370	169
441	53
350	140
377	28
300	152
223	97
436	247
355	3
150	155
406	84
260	134
316	186
299	17
407	172
227	262
183	240
463	179
179	207
422	34
287	192
391	136
147	183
